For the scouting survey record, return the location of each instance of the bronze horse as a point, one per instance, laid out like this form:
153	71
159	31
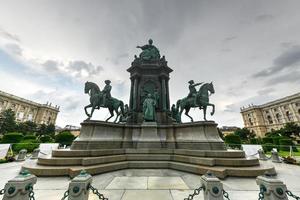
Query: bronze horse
96	101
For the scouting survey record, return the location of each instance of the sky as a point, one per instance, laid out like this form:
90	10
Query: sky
249	49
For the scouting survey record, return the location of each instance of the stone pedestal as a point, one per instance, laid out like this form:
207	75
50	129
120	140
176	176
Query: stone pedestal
149	137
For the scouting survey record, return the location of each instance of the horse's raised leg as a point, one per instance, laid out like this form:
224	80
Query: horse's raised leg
92	111
213	108
85	109
187	110
118	114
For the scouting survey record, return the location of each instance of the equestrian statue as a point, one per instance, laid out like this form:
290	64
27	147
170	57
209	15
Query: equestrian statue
196	99
102	99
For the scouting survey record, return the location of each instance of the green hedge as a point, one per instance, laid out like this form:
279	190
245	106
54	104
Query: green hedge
268	147
266	140
65	138
285	145
10	138
254	141
46	139
29	137
30	145
233	141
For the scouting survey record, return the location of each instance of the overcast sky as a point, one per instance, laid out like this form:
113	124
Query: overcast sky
249	49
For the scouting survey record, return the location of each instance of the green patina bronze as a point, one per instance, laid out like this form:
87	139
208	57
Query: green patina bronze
103	99
149	105
175	113
196	99
150	52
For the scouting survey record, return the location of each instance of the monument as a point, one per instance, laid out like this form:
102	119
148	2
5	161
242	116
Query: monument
147	133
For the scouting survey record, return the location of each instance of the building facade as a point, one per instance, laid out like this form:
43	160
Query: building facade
272	115
27	110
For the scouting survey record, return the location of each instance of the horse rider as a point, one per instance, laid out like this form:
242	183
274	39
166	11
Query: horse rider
106	92
193	91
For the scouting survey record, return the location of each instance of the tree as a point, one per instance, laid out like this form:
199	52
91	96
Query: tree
65	138
44	129
7	121
290	129
244	133
27	127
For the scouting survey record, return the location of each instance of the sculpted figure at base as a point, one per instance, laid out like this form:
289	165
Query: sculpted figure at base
175	114
149	108
196	99
150	52
103	99
124	116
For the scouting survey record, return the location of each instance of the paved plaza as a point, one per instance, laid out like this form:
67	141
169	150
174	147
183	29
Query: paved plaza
152	184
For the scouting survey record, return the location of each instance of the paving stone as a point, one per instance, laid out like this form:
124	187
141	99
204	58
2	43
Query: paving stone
182	194
147	195
110	194
166	183
128	183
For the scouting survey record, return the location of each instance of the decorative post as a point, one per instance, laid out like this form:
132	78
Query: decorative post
135	93
79	186
35	154
262	155
213	188
271	188
22	155
21	187
275	157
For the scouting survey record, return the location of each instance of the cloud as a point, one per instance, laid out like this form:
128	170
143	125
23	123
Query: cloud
287	60
83	69
9	36
291	77
13	49
230	38
264	18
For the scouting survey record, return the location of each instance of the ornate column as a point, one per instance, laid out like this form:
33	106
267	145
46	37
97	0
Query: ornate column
164	93
135	85
131	94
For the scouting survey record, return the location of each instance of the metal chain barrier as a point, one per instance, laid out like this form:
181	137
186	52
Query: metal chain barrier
289	193
2	192
261	194
196	192
66	194
96	192
31	193
225	194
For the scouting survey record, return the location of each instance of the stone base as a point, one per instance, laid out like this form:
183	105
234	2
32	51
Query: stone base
103	135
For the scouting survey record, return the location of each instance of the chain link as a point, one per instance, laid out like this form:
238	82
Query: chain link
2	192
196	192
261	194
31	193
96	192
225	194
66	194
289	193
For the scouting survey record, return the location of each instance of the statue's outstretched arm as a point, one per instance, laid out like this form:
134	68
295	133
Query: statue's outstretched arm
198	84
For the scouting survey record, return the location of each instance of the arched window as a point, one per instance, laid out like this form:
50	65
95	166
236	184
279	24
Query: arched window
270	119
289	116
250	121
278	117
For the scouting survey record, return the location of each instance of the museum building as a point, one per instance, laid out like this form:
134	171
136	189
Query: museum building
27	110
272	115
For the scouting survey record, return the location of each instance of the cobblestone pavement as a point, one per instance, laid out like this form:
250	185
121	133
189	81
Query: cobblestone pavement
151	184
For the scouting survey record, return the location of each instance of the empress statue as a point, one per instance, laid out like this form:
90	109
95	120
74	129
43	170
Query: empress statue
150	52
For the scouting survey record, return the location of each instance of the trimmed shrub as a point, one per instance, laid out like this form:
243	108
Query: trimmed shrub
266	140
268	147
10	138
30	145
254	141
29	137
64	138
285	145
46	139
233	141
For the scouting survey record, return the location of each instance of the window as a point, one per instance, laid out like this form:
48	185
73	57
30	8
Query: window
278	118
20	115
30	116
289	116
250	121
270	119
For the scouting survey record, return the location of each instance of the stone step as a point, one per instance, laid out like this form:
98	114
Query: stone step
103	152
219	171
86	161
